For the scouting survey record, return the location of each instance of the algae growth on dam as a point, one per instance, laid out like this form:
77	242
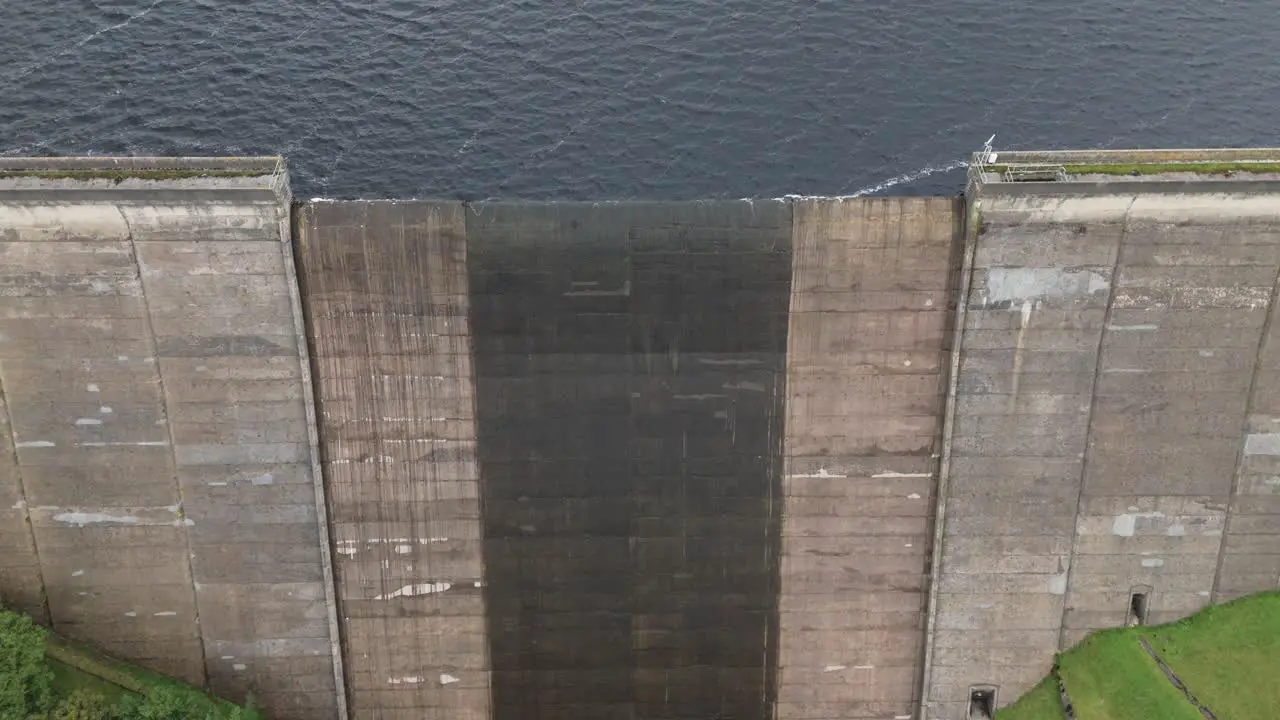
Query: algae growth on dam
804	458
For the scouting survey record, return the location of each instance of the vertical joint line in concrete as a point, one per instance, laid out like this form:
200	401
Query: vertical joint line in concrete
1088	420
173	447
26	506
971	238
313	448
1214	591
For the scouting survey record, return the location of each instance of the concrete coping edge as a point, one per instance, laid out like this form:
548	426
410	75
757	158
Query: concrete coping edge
258	165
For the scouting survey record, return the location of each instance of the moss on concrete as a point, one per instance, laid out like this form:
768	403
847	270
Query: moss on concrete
119	175
1140	169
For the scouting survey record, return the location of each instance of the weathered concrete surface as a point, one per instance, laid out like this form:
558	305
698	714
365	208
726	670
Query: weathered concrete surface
155	387
387	298
629	369
1108	355
865	362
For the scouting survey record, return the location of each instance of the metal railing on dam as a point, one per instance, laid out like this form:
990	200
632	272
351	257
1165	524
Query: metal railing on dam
809	458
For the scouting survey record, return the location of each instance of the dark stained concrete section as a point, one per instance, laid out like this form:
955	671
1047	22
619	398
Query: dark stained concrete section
629	367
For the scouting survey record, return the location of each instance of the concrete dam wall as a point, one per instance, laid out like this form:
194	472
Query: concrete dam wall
805	459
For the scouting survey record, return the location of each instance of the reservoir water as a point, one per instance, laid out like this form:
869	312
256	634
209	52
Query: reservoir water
608	99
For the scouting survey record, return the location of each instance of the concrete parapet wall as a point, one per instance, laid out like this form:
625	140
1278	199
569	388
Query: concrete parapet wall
154	384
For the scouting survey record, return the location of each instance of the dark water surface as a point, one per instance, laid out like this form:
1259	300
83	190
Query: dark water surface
623	99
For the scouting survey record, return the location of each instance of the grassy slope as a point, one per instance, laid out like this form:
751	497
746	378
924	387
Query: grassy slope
1039	703
1110	677
1228	656
77	665
67	679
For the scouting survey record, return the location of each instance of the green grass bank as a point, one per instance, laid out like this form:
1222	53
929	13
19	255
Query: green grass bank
1228	656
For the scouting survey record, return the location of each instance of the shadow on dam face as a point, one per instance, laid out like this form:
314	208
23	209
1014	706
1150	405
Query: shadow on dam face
629	426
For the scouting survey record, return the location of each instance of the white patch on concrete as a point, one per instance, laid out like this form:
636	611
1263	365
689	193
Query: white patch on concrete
386	564
1176	530
1058	584
909	545
721	414
346	550
166	613
1203	593
144	443
1023	284
1205	353
408	680
404	549
906	363
447	679
239	666
1262	444
131	614
1132	328
20	505
744	385
90	518
217	483
263	479
34	444
833	668
822	473
88	421
901	475
1152	563
106	410
415	590
624	291
479	584
228	657
77	573
913	496
864	667
93	387
1125	523
122	358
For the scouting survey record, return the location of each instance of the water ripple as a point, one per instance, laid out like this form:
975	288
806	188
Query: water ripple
611	99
